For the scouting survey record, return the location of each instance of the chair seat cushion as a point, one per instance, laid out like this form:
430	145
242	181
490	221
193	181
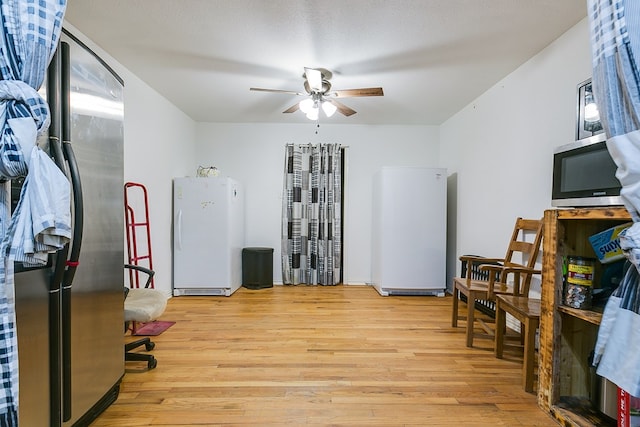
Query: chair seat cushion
144	305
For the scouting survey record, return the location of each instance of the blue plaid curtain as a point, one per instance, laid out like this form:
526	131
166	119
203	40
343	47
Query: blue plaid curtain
311	215
31	29
615	42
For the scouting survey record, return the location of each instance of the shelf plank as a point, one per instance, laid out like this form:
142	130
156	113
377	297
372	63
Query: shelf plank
578	412
586	315
594	213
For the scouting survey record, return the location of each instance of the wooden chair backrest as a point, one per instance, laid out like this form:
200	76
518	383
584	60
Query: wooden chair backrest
528	249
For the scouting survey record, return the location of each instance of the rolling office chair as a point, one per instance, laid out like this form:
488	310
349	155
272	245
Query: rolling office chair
142	305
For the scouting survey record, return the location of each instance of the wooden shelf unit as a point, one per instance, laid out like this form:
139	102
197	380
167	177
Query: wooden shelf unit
568	335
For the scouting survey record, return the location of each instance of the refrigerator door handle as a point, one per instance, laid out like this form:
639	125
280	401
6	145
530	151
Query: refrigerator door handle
180	229
55	285
78	223
74	172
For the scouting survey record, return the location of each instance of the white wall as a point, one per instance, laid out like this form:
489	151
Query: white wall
499	148
158	145
254	154
498	151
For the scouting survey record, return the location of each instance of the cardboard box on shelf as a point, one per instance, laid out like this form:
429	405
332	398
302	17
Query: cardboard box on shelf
606	244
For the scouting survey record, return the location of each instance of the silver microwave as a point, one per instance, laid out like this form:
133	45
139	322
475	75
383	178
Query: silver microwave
584	174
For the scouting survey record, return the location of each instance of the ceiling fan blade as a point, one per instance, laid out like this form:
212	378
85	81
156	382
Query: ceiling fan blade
295	107
347	111
314	77
349	93
290	92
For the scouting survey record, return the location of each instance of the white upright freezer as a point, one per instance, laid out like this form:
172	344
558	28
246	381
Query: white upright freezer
409	231
208	235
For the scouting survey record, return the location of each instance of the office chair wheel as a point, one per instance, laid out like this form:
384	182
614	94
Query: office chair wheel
150	346
152	363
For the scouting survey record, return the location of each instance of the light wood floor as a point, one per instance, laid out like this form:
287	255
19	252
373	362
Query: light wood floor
312	356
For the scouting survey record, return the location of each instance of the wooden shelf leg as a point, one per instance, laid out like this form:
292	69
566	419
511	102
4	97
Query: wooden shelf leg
530	326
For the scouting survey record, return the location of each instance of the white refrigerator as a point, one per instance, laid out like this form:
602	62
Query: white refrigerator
409	231
208	235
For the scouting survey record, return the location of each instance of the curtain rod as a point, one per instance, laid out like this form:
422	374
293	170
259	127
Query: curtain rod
310	143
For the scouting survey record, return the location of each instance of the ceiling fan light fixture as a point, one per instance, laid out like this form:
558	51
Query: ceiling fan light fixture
312	114
306	105
328	108
317	94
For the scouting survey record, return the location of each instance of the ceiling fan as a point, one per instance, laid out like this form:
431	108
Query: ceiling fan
317	86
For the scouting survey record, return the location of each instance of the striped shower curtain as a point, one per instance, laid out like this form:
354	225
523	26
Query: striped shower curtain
615	42
311	215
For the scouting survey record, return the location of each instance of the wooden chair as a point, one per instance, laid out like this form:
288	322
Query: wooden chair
527	311
504	276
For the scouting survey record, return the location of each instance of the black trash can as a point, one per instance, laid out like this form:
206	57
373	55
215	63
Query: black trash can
257	268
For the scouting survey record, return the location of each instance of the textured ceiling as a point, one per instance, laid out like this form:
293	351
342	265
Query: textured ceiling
432	57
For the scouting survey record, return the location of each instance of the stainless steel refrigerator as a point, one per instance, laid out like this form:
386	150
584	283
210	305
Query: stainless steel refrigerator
70	334
208	235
